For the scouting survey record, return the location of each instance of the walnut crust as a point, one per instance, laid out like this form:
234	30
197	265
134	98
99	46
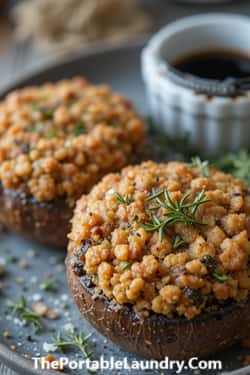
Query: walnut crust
44	222
158	336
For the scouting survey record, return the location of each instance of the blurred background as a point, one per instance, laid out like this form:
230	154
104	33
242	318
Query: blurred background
33	32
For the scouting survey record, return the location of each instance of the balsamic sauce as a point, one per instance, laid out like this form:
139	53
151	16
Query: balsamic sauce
215	64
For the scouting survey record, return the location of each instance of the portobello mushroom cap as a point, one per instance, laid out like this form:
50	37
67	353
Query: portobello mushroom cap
158	259
56	142
44	222
157	336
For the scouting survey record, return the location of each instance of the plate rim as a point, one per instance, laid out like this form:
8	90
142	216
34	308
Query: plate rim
8	357
63	60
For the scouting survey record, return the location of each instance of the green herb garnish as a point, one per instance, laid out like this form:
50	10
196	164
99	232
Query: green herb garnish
126	266
203	166
26	313
127	200
178	242
73	340
52	133
238	164
177	212
79	129
219	277
49	285
47	112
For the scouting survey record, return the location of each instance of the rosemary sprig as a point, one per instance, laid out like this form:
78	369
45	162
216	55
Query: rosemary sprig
178	242
176	212
203	166
73	340
219	277
155	225
25	313
127	200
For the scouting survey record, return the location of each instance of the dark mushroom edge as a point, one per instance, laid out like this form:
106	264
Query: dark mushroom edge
44	222
158	336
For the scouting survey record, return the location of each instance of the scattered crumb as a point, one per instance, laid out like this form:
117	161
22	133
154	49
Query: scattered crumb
27	356
12	347
52	314
52	359
40	309
7	335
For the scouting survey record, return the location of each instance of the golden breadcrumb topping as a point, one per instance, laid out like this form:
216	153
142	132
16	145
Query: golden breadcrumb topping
58	140
165	238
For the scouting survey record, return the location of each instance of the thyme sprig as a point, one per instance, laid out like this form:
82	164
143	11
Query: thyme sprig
203	166
73	339
182	211
126	200
26	313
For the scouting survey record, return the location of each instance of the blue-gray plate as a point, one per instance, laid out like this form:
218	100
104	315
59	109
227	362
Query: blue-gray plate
119	67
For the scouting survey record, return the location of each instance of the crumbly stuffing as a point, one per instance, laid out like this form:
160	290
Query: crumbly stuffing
185	269
58	140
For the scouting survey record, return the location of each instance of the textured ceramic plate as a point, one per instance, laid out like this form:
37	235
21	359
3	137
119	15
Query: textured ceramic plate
120	68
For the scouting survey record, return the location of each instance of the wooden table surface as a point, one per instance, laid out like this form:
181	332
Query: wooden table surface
16	59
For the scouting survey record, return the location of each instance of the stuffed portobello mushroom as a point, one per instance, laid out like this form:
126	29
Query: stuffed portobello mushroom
56	141
158	259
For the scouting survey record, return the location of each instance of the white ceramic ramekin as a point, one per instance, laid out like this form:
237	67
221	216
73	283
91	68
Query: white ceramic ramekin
214	123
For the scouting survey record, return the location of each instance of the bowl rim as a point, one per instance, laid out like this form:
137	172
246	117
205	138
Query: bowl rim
211	87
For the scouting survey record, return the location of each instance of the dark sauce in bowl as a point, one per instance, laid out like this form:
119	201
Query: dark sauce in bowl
215	64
